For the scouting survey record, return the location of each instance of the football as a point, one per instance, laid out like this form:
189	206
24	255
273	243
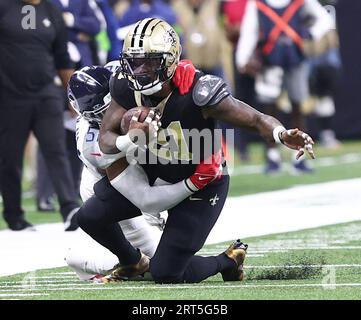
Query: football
124	125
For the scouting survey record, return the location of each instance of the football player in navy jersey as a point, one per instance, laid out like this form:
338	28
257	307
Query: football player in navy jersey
150	55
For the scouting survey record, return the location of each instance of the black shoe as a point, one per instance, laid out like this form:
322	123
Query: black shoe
237	252
21	225
71	221
46	205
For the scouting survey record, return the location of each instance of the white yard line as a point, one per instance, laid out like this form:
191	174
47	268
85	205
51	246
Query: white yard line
10	283
41	285
257	253
177	287
52	277
308	266
22	294
68	274
216	252
308	248
266	213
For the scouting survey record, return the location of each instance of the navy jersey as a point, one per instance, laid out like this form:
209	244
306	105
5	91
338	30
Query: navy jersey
178	149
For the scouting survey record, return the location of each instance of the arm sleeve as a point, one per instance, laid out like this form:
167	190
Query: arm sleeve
248	35
60	44
88	21
134	185
322	20
89	151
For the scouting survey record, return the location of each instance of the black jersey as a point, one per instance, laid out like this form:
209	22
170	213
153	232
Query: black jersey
177	152
31	54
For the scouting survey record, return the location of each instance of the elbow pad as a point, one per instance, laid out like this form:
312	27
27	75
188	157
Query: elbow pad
209	90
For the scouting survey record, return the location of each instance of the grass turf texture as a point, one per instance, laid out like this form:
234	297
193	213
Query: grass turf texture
249	183
320	263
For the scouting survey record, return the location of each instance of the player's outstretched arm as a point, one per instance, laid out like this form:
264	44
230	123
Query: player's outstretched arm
241	114
133	183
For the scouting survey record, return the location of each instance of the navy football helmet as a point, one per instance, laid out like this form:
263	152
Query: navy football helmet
88	91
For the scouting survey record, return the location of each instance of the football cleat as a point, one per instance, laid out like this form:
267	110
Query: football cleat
71	221
237	252
21	225
302	167
121	273
97	278
272	167
46	205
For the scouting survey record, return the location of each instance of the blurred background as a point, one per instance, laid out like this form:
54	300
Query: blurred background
314	85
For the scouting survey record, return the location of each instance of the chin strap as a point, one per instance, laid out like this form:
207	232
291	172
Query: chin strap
152	90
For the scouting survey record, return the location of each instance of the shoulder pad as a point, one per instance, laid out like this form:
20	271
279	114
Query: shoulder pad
118	87
209	90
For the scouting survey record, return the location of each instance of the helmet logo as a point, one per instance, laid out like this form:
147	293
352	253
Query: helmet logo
170	37
84	77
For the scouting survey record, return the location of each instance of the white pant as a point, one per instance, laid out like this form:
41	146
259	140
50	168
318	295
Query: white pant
89	258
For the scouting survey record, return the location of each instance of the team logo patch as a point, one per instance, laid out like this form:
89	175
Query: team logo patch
46	23
214	200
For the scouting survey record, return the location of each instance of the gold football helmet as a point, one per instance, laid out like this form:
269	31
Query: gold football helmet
150	55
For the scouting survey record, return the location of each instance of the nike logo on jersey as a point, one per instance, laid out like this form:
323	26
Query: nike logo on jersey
46	22
202	178
195	199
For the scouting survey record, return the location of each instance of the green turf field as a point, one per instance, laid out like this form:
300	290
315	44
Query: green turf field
248	178
320	263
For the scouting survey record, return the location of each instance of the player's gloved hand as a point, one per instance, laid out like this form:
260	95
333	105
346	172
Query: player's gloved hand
149	126
184	76
298	140
206	172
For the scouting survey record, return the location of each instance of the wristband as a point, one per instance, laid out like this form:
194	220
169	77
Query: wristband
123	143
276	133
190	185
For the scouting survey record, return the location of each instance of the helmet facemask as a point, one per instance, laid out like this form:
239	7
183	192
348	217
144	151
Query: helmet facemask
97	114
146	72
93	116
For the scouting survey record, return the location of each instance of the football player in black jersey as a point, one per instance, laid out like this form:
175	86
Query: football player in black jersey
150	55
